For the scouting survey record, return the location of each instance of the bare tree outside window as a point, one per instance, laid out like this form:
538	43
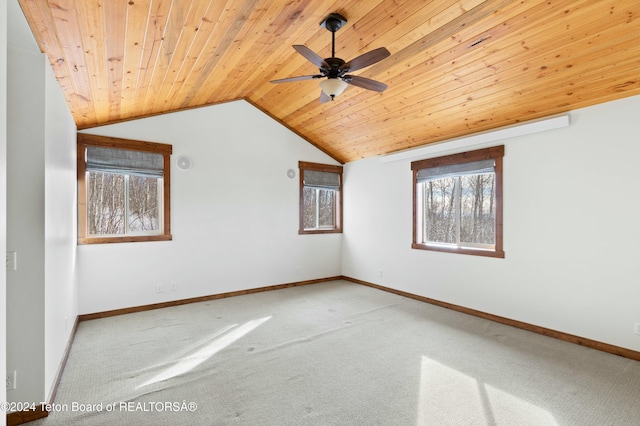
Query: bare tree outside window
460	209
105	201
326	209
143	204
439	211
477	210
310	197
319	208
110	209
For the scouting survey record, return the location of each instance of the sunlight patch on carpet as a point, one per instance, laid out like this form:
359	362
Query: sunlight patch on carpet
445	394
190	362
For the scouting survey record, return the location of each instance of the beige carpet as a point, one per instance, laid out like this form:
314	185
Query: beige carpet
334	354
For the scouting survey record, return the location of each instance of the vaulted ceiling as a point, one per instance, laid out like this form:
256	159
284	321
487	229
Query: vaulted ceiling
456	67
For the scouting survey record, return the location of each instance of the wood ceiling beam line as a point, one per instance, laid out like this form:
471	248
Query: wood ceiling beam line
440	74
207	31
44	28
451	28
484	87
251	76
551	99
158	23
137	12
209	69
66	20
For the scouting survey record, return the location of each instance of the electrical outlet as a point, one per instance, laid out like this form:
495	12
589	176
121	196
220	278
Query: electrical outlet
159	288
173	286
636	328
12	380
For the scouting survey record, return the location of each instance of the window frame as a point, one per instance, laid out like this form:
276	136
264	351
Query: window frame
302	166
85	140
496	153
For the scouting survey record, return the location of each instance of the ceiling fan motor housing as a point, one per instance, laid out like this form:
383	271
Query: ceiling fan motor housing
334	67
333	22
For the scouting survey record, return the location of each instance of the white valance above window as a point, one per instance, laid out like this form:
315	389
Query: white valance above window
124	161
322	180
469	168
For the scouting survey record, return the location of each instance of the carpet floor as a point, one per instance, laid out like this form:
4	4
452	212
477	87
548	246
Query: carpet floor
333	353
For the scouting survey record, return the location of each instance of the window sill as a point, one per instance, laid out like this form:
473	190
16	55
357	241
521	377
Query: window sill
129	239
319	231
460	250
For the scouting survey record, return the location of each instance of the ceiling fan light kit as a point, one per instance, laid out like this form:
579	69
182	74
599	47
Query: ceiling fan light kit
335	69
333	86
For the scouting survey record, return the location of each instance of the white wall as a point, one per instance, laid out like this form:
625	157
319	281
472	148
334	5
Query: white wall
42	292
571	233
234	215
3	196
25	222
60	238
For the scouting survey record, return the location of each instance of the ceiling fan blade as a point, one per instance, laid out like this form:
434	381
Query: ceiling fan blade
311	56
299	78
324	97
365	83
365	59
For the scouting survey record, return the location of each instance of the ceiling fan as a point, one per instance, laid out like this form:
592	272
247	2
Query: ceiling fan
336	69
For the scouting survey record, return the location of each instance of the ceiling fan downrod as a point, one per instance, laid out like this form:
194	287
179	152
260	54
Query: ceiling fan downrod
333	23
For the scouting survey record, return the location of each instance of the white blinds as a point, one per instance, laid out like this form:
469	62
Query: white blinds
322	180
124	161
469	168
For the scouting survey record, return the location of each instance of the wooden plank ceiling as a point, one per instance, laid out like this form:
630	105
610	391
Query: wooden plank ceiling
456	67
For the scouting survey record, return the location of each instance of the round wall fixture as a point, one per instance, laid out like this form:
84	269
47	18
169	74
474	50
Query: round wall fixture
291	173
183	163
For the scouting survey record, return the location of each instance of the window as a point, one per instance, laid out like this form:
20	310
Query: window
320	198
457	203
123	190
